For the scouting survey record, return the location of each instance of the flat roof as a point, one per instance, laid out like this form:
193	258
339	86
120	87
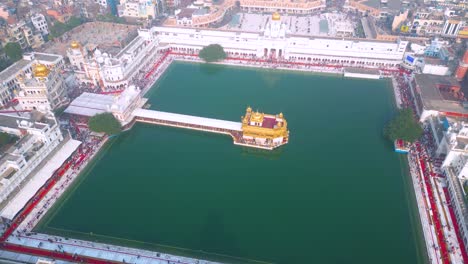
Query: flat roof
90	104
362	70
435	99
193	120
39	179
9	72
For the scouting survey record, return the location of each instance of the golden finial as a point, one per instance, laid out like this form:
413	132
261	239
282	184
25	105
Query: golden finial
75	44
276	16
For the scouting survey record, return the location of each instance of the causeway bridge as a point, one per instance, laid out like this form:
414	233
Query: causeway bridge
234	129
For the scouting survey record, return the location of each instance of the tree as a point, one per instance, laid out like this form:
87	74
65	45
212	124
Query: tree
212	53
73	22
59	28
106	123
13	51
5	139
403	126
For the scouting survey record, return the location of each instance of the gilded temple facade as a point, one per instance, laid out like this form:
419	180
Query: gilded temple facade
264	129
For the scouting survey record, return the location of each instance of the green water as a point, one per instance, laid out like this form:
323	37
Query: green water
335	194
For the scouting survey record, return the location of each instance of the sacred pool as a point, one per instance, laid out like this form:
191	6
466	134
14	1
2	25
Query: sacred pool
336	193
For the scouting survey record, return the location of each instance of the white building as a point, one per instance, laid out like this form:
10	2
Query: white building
40	23
138	8
434	66
276	42
455	167
43	90
121	106
39	134
116	72
112	72
9	78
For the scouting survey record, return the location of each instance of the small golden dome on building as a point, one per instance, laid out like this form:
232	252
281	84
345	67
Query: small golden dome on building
249	109
40	70
75	44
256	117
276	16
280	115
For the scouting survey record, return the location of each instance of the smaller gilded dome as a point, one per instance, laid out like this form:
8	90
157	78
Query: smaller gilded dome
276	16
256	117
249	109
75	44
280	115
40	70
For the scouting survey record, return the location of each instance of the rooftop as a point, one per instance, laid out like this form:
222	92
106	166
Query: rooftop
10	72
90	104
440	93
362	70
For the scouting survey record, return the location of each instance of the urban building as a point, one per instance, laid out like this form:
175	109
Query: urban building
10	77
436	95
462	67
38	135
121	106
111	72
24	35
40	23
43	90
455	169
274	42
138	8
216	12
452	27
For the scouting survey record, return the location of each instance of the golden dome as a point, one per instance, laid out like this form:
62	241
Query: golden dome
75	44
256	117
280	115
249	109
276	16
40	70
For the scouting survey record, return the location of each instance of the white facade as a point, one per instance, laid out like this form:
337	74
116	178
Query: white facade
275	42
42	93
435	69
113	72
138	8
455	167
39	136
116	72
9	78
125	103
40	23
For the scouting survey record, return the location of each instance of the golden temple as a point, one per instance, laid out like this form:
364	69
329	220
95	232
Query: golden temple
264	129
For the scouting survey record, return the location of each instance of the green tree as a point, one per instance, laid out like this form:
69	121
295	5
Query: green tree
13	51
73	22
5	139
60	28
106	123
404	126
212	53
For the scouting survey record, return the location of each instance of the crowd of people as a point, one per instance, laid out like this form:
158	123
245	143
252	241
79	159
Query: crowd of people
425	170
